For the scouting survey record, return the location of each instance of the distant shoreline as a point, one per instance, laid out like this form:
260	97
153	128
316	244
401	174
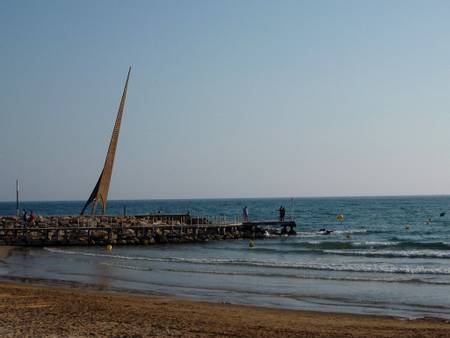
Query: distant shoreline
42	310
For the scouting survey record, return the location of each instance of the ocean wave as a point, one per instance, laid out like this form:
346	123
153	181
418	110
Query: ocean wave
350	231
397	244
94	254
128	267
424	245
346	244
327	245
333	232
367	249
350	267
376	243
392	253
287	275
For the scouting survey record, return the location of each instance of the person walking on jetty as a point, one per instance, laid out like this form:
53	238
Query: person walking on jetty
245	214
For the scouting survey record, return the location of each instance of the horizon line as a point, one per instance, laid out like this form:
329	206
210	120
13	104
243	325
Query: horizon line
241	198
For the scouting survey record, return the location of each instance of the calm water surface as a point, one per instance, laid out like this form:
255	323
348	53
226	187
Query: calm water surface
370	263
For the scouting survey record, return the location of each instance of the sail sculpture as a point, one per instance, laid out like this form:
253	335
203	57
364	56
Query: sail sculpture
100	192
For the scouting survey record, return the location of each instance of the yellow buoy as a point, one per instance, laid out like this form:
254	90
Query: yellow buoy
109	247
340	217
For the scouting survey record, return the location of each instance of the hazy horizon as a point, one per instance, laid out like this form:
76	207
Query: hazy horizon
226	99
242	198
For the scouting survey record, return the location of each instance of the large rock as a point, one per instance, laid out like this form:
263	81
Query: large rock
130	233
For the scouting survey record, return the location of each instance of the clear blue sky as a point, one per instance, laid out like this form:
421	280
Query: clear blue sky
226	98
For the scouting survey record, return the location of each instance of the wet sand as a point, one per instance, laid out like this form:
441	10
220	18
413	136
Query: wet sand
43	311
5	252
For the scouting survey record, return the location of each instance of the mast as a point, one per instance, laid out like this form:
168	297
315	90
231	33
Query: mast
17	197
100	192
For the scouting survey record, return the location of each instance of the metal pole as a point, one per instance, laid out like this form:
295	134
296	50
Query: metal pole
292	209
17	197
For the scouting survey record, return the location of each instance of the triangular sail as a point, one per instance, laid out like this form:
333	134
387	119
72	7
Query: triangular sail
100	192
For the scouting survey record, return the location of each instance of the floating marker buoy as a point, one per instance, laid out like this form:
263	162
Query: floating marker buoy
340	217
109	247
251	244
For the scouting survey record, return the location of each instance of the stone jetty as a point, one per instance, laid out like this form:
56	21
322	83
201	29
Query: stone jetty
121	230
124	230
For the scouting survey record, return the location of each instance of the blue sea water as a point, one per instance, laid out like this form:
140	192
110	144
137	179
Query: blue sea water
370	263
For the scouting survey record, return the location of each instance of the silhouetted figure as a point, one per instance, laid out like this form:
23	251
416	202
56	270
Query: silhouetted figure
245	214
24	218
32	218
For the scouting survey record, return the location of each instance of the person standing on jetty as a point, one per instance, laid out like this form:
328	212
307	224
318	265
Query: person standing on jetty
245	214
32	218
282	212
24	218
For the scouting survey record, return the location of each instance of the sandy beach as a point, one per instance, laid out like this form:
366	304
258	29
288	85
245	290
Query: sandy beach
5	251
48	311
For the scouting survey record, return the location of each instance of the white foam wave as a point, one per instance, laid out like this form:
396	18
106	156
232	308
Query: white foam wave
375	243
333	232
307	234
350	231
351	267
393	253
357	244
374	278
93	254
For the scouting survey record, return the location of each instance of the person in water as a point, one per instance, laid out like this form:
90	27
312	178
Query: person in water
245	214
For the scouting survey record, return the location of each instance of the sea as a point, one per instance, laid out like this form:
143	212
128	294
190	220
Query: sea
386	256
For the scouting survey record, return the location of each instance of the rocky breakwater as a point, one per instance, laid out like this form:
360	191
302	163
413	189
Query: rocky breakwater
119	230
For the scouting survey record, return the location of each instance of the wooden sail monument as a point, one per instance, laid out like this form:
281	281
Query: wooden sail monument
100	192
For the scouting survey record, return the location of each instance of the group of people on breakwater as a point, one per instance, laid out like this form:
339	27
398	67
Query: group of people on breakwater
281	211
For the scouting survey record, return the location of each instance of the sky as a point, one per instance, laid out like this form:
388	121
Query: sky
226	98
